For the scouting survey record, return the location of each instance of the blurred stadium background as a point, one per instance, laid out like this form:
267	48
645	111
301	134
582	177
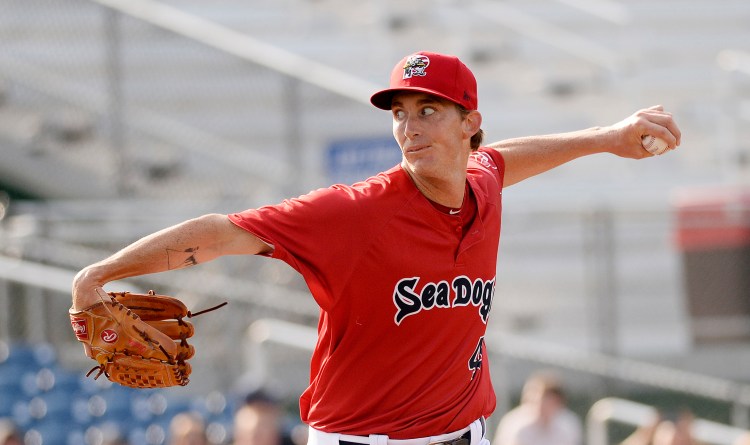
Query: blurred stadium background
121	117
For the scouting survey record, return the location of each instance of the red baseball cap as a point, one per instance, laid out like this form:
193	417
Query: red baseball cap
439	74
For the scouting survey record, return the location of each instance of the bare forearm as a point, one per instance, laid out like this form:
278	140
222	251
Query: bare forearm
176	247
529	156
186	244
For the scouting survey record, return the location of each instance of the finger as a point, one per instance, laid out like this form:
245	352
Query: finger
670	133
663	133
661	124
674	129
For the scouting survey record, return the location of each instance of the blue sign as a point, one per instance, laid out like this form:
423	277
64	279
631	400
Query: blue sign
352	160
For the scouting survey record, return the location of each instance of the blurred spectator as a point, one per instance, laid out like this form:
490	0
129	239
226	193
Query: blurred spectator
665	432
542	417
187	429
117	440
9	433
258	421
108	433
743	440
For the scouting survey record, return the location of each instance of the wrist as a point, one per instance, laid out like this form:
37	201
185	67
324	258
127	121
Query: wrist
600	140
85	285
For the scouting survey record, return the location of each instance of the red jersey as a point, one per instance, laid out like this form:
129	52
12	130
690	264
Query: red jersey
404	298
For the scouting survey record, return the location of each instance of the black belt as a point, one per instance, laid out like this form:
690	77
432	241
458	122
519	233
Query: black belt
465	438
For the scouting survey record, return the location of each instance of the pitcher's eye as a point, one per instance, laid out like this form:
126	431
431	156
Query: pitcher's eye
398	114
426	111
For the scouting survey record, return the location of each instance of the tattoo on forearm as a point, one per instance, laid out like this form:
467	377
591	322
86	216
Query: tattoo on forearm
179	259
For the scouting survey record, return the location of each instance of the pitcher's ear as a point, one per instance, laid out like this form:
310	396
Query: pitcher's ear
472	122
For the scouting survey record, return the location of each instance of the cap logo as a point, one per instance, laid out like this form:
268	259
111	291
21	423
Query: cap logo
416	65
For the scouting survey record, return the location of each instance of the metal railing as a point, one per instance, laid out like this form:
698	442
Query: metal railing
245	47
613	409
268	334
735	394
566	41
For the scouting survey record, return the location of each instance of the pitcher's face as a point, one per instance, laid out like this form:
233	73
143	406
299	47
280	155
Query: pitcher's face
433	135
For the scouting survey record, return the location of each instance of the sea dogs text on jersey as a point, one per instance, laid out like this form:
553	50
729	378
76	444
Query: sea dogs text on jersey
461	292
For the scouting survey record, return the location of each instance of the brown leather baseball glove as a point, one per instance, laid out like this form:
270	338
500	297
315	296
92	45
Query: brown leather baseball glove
138	340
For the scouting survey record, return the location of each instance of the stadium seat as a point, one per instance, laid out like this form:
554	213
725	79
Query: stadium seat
9	396
33	356
117	402
11	375
106	432
20	413
212	406
177	404
21	354
66	381
28	382
76	437
150	434
141	409
157	432
219	431
79	410
137	435
90	386
45	354
52	432
54	406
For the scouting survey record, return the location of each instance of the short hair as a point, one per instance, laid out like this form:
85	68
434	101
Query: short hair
543	382
260	396
478	137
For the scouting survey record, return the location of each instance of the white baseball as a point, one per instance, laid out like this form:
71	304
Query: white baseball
655	146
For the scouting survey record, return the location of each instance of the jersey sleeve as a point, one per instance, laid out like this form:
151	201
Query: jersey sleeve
491	160
313	234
